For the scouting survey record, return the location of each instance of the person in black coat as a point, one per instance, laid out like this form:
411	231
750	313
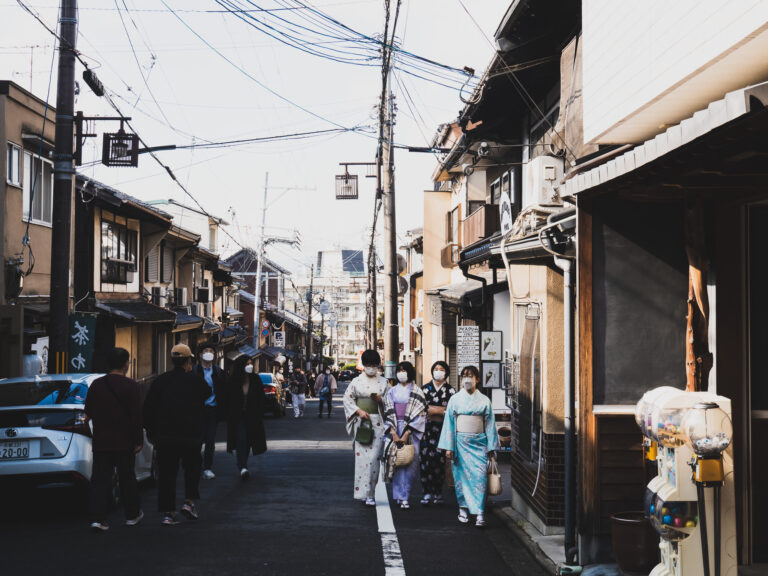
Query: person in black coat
215	405
245	425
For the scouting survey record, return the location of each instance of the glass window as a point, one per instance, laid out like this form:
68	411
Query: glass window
118	253
13	165
38	189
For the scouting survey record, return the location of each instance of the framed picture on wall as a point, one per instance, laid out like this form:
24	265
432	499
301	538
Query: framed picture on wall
490	346
491	375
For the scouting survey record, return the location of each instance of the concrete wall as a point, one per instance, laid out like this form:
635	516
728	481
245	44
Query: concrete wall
502	320
651	64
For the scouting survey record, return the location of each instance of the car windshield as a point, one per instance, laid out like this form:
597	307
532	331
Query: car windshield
42	392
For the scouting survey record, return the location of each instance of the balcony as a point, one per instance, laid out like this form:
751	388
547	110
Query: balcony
481	224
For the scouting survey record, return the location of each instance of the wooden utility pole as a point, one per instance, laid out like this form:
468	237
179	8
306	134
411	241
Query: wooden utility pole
309	316
63	171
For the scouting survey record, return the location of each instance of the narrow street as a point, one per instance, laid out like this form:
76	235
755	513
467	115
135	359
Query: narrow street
295	515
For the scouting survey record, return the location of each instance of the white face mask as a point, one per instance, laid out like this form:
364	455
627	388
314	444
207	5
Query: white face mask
208	357
402	377
371	370
438	375
249	369
468	383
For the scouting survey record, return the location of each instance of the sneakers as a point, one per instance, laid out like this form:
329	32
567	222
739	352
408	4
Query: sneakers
438	500
404	504
169	519
370	502
189	510
244	474
208	474
134	521
463	515
99	526
480	521
426	500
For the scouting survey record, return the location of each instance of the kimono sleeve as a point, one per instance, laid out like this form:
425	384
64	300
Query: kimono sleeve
448	434
490	428
350	407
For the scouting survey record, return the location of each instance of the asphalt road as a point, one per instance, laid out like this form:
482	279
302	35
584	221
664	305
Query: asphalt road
295	516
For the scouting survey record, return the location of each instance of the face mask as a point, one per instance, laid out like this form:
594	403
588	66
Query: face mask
468	384
208	357
371	370
402	377
327	371
439	375
249	369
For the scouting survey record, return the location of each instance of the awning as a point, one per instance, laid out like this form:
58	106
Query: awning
233	312
274	352
136	311
234	355
718	118
186	321
455	292
211	327
278	317
248	350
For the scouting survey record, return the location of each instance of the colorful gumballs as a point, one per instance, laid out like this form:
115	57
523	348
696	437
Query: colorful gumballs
690	524
667	519
678	521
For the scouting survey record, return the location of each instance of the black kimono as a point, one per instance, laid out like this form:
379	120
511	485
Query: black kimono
432	460
245	426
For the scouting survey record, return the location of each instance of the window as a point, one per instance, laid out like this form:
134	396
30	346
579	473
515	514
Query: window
529	393
159	264
38	189
118	252
13	165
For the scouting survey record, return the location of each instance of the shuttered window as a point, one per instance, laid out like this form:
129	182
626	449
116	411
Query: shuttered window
152	264
167	263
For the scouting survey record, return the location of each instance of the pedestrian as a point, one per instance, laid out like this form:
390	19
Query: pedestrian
173	419
215	409
469	438
311	378
325	386
113	405
299	393
405	410
245	424
432	460
362	408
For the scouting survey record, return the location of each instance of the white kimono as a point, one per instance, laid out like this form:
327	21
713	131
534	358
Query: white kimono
366	457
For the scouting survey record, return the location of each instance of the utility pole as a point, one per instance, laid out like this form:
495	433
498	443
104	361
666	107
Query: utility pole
259	259
391	333
309	316
64	171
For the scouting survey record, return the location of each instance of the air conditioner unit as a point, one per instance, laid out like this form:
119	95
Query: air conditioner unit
202	295
208	310
542	177
180	296
159	297
195	309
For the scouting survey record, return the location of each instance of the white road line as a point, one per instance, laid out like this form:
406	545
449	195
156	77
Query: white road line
390	546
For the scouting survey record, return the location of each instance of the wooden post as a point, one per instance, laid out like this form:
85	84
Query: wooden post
698	358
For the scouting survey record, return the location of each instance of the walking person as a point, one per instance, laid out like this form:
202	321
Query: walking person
469	438
405	410
245	424
325	386
113	404
362	408
214	409
173	419
298	393
437	393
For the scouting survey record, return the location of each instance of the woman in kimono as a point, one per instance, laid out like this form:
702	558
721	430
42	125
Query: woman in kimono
245	424
362	401
405	410
437	392
469	438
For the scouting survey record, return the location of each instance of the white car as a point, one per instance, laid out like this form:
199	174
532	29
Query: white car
45	438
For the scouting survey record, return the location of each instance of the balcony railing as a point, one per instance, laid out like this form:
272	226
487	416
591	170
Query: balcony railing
482	223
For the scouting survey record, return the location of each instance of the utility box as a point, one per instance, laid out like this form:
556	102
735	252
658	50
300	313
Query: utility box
541	182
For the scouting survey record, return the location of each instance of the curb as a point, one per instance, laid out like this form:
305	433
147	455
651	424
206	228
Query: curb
544	561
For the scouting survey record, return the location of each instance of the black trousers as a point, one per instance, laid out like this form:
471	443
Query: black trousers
101	483
242	448
168	458
329	401
210	424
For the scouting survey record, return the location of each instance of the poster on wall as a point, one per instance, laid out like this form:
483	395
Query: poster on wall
490	346
82	332
467	347
491	375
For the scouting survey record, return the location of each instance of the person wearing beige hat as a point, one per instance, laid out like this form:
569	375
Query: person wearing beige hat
173	419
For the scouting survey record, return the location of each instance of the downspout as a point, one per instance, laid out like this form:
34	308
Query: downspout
484	289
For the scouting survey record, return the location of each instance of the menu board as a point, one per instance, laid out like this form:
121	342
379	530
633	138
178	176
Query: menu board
467	347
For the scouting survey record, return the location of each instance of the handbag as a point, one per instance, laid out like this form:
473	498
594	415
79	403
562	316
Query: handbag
364	434
494	478
404	454
449	480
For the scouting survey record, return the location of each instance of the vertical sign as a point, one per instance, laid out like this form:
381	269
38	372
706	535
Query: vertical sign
82	330
467	347
278	338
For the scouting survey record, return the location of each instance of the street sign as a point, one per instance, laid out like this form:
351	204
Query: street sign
265	332
279	339
265	324
82	332
324	307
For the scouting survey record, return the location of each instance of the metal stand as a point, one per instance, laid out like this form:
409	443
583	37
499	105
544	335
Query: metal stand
717	529
703	526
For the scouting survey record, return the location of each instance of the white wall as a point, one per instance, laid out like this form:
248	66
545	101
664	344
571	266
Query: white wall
651	64
502	320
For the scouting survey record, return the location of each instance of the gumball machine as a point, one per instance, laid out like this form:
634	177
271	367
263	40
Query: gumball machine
672	501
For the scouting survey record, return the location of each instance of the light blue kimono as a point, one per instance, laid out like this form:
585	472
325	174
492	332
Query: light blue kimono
470	462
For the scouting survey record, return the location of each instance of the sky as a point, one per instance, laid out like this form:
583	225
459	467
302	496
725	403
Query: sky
195	71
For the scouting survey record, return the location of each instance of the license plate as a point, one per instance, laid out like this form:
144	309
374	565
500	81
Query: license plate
14	450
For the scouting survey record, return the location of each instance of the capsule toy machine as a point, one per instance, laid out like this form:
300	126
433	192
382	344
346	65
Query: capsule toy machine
690	502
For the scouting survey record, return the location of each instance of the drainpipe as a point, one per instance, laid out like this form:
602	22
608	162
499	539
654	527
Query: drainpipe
567	265
482	296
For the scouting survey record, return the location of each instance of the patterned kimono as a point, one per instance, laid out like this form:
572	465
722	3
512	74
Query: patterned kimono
432	460
470	462
366	457
405	408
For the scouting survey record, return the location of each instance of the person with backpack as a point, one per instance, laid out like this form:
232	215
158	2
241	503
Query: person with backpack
325	386
113	405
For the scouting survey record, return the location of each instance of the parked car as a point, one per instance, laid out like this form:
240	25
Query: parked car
45	438
346	375
274	393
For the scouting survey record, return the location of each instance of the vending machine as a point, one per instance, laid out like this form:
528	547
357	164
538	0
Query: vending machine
690	502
